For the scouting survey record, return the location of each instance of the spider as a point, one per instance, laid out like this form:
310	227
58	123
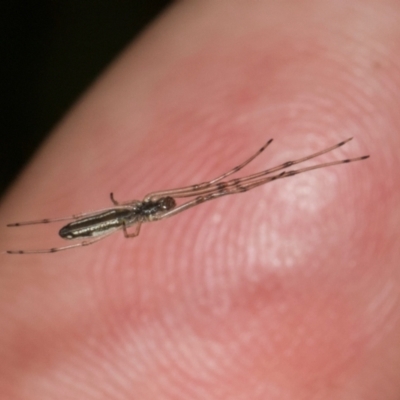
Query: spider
91	227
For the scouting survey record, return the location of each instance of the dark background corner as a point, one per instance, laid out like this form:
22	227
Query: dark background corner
51	52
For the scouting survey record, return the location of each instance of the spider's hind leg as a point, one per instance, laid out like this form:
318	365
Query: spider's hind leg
56	249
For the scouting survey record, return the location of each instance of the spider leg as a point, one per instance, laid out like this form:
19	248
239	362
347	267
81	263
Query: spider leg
301	160
243	185
177	210
50	220
71	217
198	200
181	192
261	176
134	234
56	249
117	203
240	166
208	187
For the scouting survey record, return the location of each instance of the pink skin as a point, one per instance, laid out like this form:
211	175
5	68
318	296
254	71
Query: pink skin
290	291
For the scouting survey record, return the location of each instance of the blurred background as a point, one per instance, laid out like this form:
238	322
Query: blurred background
51	51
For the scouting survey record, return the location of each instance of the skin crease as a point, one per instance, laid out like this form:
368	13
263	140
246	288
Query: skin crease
289	291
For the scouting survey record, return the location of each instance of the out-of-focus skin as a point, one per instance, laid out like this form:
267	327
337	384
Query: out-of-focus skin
289	291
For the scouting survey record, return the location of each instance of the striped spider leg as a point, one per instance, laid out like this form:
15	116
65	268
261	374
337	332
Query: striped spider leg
94	226
217	187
